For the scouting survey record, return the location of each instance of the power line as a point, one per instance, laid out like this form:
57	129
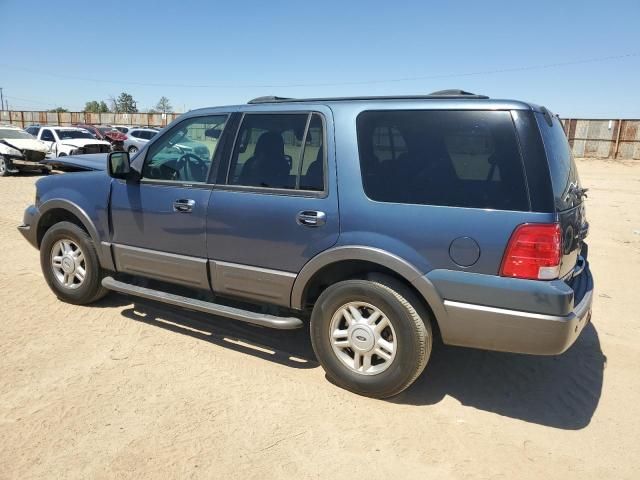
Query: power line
331	84
28	100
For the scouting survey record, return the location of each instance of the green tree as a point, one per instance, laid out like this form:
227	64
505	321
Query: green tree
96	107
163	105
126	104
59	110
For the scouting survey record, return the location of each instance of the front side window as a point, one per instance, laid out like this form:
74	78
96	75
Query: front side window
450	158
47	136
185	153
281	151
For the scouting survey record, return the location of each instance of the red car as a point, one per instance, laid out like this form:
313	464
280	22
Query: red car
107	133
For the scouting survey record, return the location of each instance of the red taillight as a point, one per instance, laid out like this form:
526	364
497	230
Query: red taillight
534	252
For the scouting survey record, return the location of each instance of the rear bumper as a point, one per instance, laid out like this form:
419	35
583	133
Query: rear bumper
512	330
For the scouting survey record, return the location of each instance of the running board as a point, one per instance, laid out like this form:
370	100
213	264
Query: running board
264	320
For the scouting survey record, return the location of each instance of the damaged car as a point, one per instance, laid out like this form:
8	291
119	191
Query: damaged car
20	151
64	141
107	133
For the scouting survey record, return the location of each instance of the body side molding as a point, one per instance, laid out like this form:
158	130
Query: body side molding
251	283
168	267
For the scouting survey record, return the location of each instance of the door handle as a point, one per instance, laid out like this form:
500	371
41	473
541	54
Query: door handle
183	205
311	218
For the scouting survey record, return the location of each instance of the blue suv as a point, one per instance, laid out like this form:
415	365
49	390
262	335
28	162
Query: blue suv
382	221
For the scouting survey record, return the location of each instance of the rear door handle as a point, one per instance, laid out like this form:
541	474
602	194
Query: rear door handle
311	218
183	205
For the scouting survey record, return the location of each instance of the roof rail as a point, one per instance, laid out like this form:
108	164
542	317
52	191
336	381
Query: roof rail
435	95
269	99
456	93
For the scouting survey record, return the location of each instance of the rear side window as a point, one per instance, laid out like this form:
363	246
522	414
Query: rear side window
280	151
564	174
449	158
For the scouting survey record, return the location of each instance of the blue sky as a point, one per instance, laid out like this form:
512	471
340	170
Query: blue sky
203	53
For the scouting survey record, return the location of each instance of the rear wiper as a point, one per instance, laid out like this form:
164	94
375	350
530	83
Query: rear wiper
579	192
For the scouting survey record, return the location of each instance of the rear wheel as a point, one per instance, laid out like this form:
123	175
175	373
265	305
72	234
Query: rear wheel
371	337
70	264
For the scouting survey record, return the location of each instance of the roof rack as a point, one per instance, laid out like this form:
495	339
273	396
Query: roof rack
270	99
435	95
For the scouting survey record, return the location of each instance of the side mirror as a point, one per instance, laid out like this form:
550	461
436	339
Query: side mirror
118	165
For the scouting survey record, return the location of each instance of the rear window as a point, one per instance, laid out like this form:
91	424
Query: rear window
449	158
564	174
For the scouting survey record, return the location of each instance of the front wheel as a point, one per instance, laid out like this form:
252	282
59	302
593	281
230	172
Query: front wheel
4	167
70	264
371	337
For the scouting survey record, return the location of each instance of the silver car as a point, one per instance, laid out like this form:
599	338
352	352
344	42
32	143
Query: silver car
137	138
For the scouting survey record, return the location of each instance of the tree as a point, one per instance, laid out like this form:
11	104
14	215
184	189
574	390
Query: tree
96	107
126	104
163	105
59	110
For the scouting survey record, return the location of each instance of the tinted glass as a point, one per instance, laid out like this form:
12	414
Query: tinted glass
312	166
564	174
135	133
451	158
47	136
271	152
185	152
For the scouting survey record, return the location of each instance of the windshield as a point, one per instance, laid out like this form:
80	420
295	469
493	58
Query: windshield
69	134
14	133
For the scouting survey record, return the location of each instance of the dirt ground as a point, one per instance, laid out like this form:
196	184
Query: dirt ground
118	390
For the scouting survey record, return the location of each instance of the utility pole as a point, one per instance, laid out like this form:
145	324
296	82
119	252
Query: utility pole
1	99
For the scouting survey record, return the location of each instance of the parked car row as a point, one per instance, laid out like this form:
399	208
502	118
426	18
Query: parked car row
36	147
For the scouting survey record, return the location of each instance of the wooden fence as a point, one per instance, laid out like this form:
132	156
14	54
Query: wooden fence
26	118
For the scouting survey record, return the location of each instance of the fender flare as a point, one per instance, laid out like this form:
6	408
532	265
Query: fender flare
370	254
103	249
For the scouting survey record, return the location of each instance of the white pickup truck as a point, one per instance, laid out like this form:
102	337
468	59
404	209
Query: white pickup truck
68	140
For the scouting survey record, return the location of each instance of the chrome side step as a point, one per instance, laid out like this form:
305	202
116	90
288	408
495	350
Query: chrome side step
270	321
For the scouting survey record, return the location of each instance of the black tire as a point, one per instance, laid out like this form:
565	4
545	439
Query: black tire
133	150
4	167
411	324
91	288
45	171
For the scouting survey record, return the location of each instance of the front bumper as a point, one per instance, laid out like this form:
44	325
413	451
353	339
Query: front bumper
511	330
29	222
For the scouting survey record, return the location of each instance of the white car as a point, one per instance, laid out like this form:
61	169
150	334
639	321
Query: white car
137	138
20	151
69	141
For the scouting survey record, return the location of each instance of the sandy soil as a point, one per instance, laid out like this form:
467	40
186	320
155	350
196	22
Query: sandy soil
118	390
